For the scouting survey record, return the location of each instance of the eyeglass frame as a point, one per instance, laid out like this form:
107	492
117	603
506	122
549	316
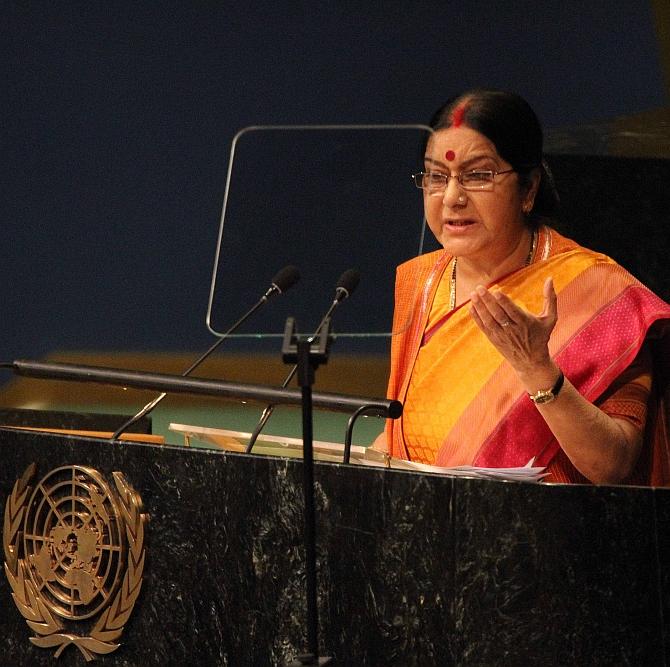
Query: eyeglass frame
459	178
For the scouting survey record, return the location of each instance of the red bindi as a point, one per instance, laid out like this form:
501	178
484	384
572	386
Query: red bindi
450	155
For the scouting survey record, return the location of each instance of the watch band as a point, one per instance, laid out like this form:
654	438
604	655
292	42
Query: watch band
547	395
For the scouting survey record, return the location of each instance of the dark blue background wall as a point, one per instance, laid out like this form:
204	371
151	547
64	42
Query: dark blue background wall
117	120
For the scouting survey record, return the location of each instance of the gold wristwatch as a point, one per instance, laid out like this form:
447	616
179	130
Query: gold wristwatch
547	395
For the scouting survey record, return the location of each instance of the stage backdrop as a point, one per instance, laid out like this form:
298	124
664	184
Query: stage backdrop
117	121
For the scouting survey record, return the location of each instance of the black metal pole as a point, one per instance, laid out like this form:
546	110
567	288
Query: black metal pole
348	435
300	352
306	379
178	384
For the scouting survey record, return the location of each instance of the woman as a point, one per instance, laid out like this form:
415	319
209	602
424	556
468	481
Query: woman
522	345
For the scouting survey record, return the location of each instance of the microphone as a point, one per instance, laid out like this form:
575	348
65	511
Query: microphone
283	280
344	288
346	284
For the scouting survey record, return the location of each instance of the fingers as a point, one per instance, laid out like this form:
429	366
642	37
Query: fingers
493	309
478	320
519	335
502	309
550	310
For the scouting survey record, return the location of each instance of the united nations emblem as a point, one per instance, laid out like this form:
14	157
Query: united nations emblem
74	557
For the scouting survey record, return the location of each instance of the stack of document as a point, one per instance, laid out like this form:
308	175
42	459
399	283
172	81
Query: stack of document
527	473
269	445
275	445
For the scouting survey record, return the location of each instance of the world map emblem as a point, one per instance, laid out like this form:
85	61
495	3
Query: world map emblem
74	557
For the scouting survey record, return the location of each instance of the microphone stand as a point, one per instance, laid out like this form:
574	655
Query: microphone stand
285	279
348	278
152	404
348	435
299	351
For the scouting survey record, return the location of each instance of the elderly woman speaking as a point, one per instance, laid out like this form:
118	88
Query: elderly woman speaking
521	344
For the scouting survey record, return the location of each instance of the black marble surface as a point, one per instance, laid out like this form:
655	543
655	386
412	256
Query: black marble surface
413	569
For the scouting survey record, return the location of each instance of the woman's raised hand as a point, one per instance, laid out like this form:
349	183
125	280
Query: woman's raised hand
521	337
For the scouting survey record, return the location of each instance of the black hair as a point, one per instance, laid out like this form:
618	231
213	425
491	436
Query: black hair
509	122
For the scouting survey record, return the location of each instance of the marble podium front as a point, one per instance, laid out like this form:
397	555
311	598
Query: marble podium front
414	569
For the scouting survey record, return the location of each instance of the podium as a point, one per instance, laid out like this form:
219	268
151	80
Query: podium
413	569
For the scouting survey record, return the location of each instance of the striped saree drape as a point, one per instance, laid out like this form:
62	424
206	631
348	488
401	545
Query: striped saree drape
463	402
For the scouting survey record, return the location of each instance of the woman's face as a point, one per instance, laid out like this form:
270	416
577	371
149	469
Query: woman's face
482	225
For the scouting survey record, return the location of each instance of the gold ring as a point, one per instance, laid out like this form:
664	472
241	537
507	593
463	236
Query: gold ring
506	323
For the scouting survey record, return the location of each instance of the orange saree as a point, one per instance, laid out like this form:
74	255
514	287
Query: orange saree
465	405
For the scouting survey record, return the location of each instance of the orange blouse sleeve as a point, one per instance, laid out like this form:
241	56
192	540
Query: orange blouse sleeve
627	398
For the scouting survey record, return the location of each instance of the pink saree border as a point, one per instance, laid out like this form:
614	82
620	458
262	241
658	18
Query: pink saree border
591	359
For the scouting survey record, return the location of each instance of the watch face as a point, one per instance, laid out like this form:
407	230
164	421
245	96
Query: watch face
547	395
543	397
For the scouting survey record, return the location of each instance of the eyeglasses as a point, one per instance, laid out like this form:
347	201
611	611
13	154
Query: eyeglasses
435	182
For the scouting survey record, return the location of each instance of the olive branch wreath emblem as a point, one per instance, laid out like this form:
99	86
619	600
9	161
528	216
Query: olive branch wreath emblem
49	630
